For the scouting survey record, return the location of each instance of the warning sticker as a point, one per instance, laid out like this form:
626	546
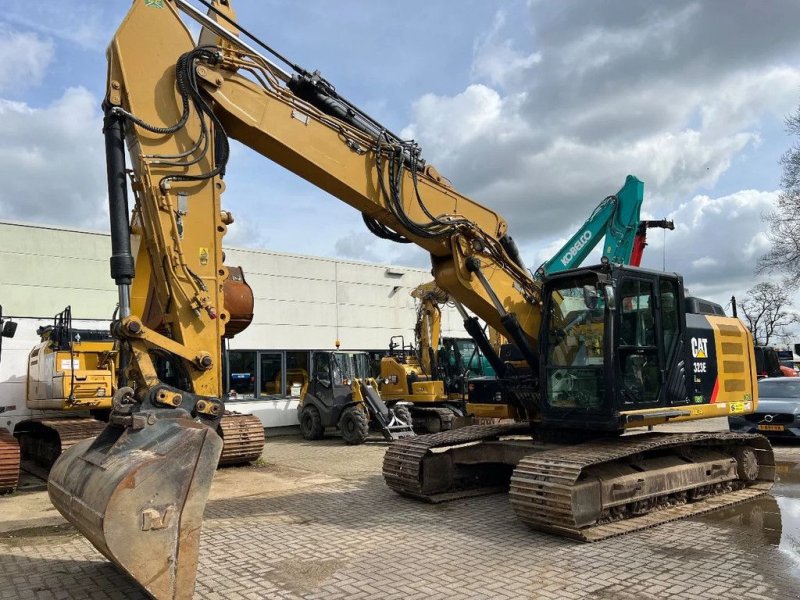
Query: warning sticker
203	256
68	365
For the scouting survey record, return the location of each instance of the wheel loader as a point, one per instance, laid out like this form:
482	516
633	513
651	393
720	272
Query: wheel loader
605	349
342	396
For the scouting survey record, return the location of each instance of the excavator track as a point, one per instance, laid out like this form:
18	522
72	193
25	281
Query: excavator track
404	462
42	441
9	462
242	436
607	488
590	491
422	415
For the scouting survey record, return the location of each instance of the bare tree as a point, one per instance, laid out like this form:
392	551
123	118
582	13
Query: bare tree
784	221
767	310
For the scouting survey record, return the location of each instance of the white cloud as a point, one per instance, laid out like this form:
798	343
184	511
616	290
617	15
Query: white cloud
716	242
591	92
86	24
362	245
52	161
498	60
359	245
24	58
449	124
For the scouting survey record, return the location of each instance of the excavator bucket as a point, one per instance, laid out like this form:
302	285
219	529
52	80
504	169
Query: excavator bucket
138	495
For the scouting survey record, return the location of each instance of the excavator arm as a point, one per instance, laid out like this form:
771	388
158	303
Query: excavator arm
428	328
616	218
300	122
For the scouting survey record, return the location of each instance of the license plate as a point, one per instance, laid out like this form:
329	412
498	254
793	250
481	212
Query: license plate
771	427
736	407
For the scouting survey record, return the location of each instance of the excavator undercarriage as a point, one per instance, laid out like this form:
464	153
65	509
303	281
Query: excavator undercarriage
588	491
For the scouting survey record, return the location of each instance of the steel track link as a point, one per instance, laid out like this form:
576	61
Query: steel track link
42	441
403	461
72	431
243	438
446	415
541	491
9	462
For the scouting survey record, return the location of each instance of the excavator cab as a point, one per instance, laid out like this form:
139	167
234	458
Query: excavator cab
609	334
623	348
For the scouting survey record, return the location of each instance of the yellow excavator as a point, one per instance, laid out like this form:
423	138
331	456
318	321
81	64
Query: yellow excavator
411	373
72	376
604	349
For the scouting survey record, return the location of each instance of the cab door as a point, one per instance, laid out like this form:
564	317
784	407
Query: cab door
649	344
640	367
321	384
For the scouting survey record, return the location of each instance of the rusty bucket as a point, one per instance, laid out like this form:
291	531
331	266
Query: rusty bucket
138	495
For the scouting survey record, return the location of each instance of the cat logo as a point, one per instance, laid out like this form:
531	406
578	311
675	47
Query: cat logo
700	347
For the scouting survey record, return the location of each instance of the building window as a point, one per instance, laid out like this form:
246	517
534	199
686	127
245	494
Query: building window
242	380
296	373
271	380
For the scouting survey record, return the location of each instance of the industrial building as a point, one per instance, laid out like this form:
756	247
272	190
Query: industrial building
301	303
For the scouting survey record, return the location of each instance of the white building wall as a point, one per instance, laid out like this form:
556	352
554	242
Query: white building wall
301	302
310	302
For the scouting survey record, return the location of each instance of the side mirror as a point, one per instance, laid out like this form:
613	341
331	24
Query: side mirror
590	296
611	299
9	329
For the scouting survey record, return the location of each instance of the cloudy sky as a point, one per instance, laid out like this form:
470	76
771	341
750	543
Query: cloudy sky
538	109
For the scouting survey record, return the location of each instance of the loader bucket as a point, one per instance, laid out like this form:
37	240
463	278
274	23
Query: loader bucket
138	495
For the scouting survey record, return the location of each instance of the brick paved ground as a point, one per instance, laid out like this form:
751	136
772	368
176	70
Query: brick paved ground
318	523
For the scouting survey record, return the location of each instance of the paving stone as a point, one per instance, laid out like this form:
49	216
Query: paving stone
353	538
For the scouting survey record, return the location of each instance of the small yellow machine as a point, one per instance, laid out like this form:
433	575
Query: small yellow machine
412	373
71	376
342	396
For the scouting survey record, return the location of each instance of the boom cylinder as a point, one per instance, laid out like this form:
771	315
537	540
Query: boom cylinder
474	329
122	265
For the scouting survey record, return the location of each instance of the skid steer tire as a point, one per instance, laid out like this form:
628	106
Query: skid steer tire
311	423
403	414
354	426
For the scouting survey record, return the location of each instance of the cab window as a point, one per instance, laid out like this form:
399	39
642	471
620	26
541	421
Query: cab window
638	352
